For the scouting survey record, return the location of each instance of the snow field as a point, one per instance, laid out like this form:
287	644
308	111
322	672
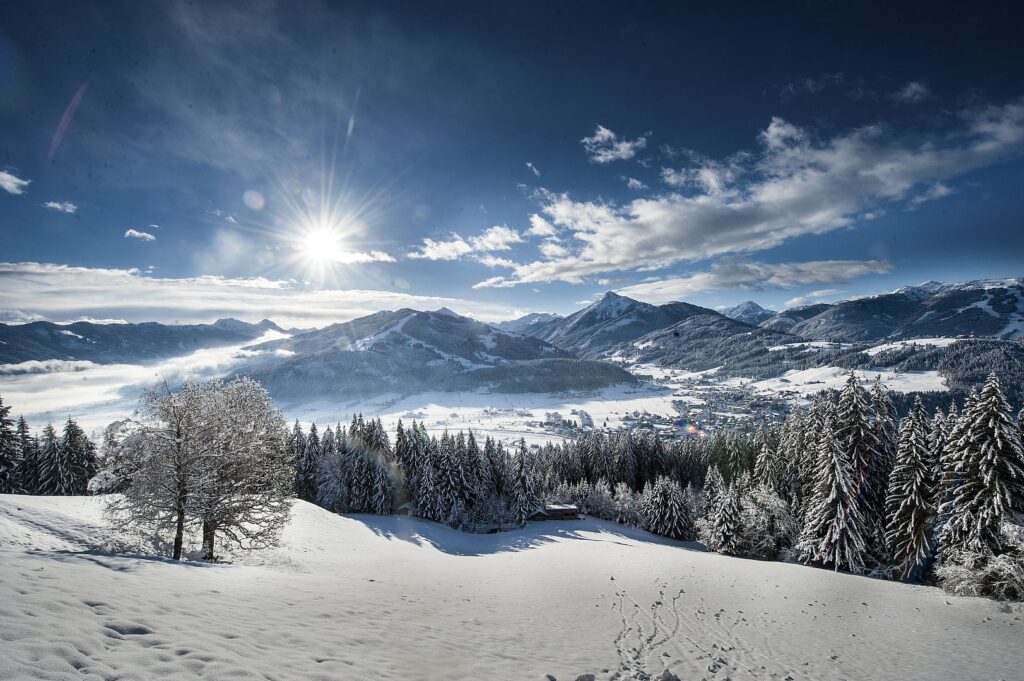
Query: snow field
369	597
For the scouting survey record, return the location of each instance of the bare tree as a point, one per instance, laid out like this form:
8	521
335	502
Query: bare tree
206	454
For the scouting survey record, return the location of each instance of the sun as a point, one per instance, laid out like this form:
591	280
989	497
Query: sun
320	244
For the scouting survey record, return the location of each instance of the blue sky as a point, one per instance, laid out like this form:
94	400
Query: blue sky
310	162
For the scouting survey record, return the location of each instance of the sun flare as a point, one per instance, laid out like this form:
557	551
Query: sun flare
320	245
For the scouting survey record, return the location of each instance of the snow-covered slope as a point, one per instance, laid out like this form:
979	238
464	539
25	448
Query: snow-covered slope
527	325
386	598
992	308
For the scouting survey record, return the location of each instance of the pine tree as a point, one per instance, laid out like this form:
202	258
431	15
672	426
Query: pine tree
54	476
666	512
858	438
833	533
382	493
985	474
714	486
523	498
910	504
9	452
28	455
726	523
79	454
307	467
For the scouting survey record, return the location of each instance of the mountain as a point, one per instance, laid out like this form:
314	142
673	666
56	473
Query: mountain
749	313
612	320
992	308
408	351
528	324
707	341
120	343
786	320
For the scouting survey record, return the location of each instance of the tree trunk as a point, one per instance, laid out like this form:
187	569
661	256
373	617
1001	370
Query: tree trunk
179	533
208	534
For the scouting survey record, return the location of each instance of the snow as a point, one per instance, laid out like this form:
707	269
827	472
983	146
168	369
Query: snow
810	381
97	394
930	342
507	417
809	345
389	598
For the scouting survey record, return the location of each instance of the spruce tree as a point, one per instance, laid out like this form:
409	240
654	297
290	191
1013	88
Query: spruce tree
9	452
714	486
858	438
382	492
985	474
523	498
834	530
54	476
666	512
910	504
726	521
28	455
307	467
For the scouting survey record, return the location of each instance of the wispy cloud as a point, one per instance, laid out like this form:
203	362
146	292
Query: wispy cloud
635	184
136	234
912	93
795	183
749	275
61	206
61	292
813	297
12	184
497	238
604	146
533	168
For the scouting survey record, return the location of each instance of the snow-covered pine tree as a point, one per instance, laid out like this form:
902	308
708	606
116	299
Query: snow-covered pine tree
626	462
307	467
666	512
833	532
9	452
79	455
523	494
28	456
858	438
725	524
986	474
55	477
714	486
382	488
910	504
770	468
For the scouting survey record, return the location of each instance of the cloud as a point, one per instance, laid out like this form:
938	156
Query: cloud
533	168
635	184
553	249
936	191
812	297
540	227
136	234
749	275
61	206
604	146
452	249
912	93
12	184
498	238
494	261
794	184
809	86
62	292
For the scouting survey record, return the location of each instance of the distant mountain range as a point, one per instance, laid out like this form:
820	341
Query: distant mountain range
407	351
121	343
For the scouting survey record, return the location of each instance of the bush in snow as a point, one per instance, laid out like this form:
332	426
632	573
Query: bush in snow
973	573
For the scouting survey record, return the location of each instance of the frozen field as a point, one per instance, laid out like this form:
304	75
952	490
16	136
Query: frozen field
373	598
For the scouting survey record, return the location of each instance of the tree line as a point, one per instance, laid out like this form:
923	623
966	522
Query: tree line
845	484
49	464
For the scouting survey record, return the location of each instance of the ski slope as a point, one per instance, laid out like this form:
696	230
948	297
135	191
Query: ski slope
368	597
